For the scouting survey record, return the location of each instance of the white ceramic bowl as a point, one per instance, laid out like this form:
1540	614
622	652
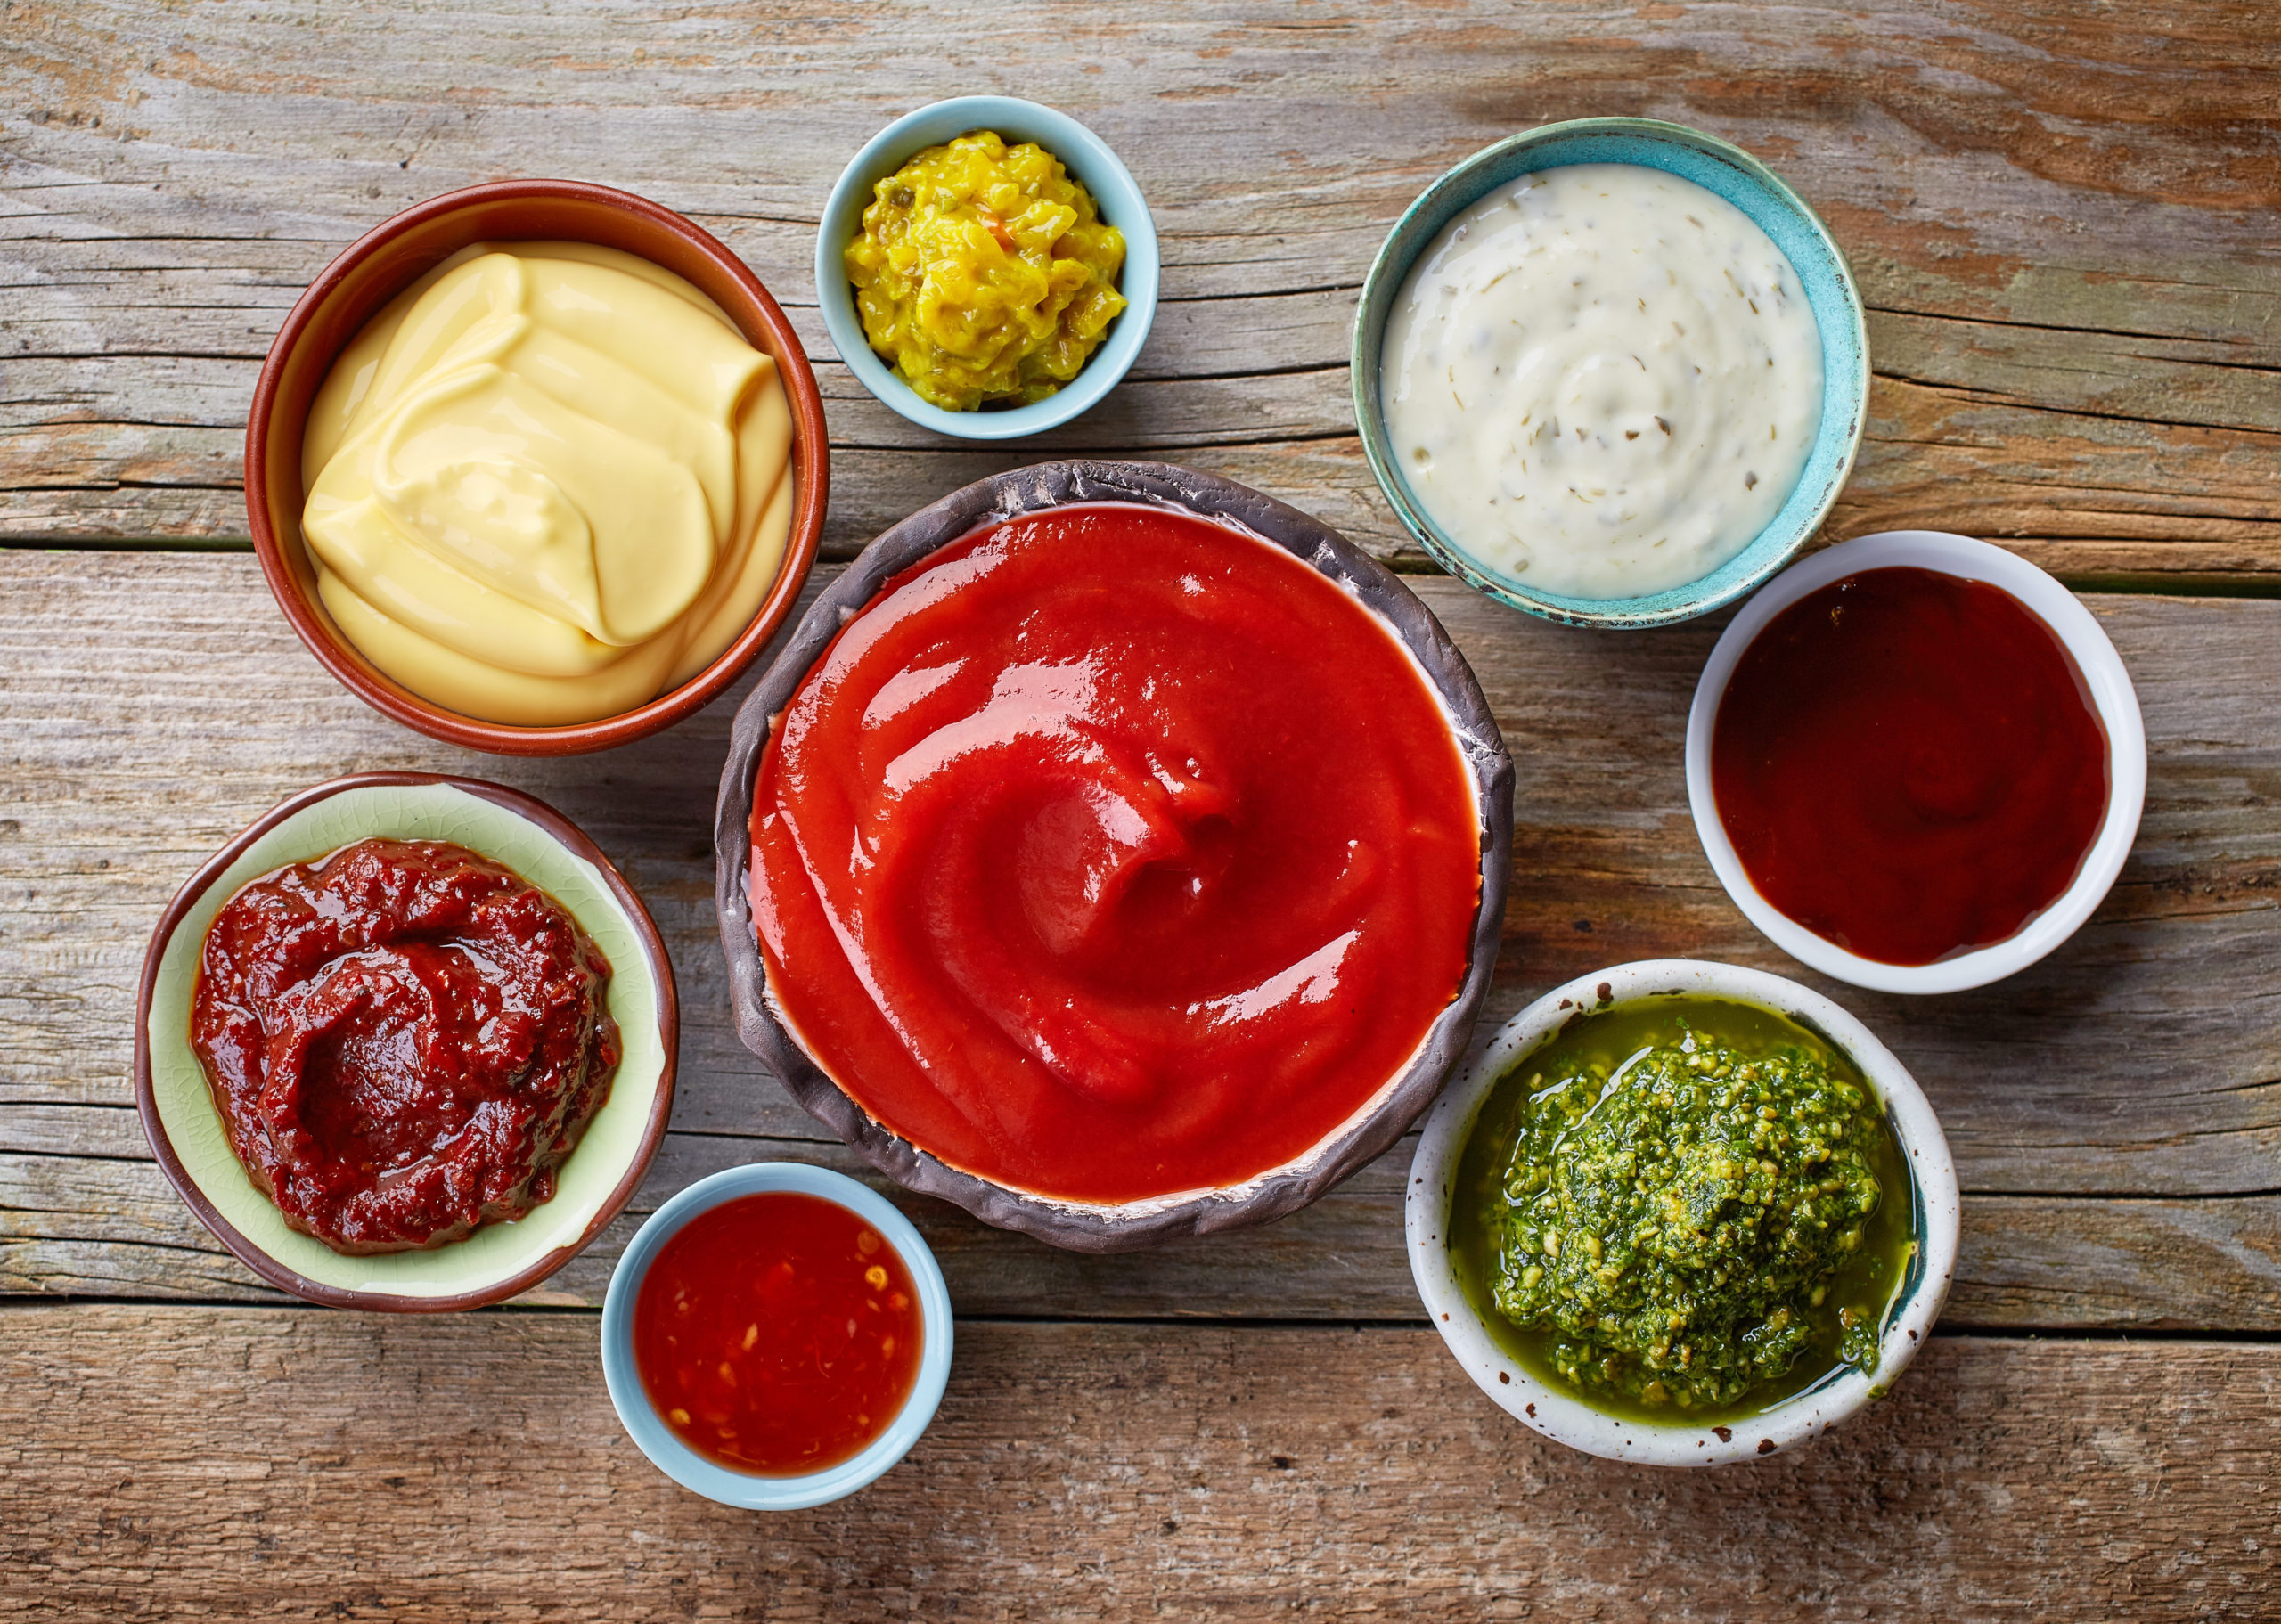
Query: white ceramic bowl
749	1489
2111	691
1556	1411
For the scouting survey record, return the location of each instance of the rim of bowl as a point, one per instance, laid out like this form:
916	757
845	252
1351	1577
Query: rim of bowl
2112	693
1083	1226
1559	1414
1384	285
1087	157
751	1490
385	261
564	833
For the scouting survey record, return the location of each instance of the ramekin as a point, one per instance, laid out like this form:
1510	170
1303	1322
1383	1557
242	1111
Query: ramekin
2112	693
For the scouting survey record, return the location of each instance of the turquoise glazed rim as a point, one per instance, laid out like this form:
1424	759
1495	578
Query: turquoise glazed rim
1717	165
750	1491
1089	160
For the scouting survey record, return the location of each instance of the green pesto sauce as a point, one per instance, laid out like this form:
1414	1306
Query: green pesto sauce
1688	1209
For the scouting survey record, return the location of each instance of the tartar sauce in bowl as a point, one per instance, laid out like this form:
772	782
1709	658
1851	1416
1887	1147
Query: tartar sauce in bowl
1602	379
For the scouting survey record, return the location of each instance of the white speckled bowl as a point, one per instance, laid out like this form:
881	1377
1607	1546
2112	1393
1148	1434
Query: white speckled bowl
1556	1411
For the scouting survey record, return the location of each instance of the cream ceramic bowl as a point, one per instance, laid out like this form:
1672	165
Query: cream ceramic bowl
1557	1410
2111	691
497	1260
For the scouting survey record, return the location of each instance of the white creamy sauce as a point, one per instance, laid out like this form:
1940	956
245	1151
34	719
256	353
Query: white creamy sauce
1602	380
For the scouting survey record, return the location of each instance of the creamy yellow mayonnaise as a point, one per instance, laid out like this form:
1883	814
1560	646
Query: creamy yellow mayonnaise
547	483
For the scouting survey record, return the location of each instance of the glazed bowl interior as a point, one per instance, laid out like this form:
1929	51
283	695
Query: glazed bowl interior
497	1260
751	1490
1090	163
1554	1408
2111	691
388	259
1079	1225
1721	168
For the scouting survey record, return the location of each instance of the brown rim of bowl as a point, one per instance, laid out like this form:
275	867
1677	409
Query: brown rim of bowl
381	264
1078	1226
653	949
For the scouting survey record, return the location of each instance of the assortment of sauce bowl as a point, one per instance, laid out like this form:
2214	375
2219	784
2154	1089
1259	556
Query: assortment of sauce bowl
1114	851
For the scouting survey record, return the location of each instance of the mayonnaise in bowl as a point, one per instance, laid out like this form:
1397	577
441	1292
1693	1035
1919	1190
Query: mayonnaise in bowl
1602	380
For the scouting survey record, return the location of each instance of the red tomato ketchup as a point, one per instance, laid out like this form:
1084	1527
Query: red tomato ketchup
777	1334
1110	852
1909	765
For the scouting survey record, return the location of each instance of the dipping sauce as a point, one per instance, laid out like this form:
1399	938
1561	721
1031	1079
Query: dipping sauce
405	1041
1686	1209
547	483
777	1334
984	273
1602	380
1909	765
1110	853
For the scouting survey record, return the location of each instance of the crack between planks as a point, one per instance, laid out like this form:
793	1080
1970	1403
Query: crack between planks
1970	396
2110	332
277	1305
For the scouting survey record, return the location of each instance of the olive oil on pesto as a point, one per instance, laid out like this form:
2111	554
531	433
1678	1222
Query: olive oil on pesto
1713	1233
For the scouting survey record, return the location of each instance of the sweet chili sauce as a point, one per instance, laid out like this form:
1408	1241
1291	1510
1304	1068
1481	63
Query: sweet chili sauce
777	1334
1909	765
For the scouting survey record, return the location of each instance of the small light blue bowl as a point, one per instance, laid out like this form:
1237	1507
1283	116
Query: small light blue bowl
1716	166
1088	160
750	1491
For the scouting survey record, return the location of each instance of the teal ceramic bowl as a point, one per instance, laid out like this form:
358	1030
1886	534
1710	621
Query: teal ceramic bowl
750	1491
1088	161
1718	167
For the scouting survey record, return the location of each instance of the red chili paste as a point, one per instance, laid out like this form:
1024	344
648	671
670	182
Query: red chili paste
1909	764
777	1334
405	1041
1112	853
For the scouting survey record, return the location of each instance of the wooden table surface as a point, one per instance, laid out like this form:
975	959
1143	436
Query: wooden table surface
2065	218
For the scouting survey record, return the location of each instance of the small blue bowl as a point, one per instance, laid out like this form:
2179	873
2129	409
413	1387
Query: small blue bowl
1092	165
747	1490
1716	166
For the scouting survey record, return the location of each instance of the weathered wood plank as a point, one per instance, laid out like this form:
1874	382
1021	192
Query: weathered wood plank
78	1222
2077	332
197	1463
2141	1062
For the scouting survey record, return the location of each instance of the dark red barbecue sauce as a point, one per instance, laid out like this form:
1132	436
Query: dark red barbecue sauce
1909	765
405	1041
777	1334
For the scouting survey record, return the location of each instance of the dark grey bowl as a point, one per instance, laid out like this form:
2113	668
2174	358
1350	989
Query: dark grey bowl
1078	1226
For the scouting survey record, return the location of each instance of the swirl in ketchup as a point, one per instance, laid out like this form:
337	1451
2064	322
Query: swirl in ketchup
1112	853
405	1040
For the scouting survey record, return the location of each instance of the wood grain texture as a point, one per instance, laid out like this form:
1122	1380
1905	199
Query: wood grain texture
2065	224
85	1225
1096	1472
2115	1112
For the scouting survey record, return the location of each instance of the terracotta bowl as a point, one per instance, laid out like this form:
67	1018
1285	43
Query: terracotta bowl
498	1261
391	257
1087	1226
